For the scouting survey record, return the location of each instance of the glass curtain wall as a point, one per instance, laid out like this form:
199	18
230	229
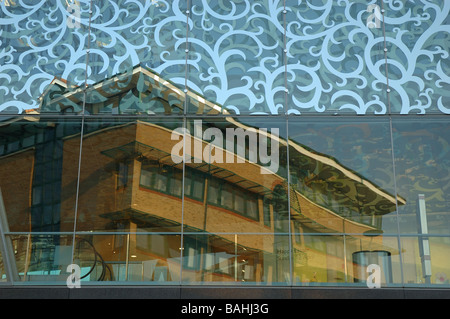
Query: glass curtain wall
194	142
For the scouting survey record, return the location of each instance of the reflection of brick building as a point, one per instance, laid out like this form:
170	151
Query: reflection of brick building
233	225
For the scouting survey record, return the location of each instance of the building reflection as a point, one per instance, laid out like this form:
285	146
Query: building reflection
138	215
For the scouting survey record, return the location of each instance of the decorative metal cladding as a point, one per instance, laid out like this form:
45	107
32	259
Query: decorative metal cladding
418	46
252	57
422	162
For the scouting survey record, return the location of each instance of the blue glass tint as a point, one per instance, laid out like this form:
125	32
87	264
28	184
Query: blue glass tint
128	178
149	259
139	91
126	34
235	175
425	261
235	56
236	259
61	98
418	46
38	172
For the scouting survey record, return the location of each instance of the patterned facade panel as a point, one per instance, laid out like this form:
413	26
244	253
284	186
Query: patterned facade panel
417	41
251	57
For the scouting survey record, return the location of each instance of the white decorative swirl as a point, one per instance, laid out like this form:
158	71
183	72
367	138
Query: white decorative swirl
242	54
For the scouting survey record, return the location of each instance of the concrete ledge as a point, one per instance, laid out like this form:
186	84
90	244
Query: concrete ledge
215	292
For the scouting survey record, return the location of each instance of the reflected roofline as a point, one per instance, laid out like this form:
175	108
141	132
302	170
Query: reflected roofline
215	108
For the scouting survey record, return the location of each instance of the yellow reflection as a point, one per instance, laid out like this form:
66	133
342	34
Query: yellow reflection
233	214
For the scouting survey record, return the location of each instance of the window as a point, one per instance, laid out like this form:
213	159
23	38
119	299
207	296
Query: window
232	197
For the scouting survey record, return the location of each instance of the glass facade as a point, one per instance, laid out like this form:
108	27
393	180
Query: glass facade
194	142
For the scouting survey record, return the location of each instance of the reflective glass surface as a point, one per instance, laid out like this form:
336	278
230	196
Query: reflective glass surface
3	276
236	176
42	258
344	259
418	269
422	163
131	258
136	58
128	180
335	57
422	170
249	57
225	142
417	42
342	176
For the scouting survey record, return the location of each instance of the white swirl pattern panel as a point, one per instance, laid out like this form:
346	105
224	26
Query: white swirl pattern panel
252	57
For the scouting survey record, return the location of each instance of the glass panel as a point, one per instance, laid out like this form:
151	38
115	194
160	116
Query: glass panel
422	159
61	98
42	46
342	176
418	43
129	180
345	260
149	259
120	257
38	172
335	57
137	57
235	57
43	258
318	259
235	259
238	166
137	92
374	260
3	277
425	260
